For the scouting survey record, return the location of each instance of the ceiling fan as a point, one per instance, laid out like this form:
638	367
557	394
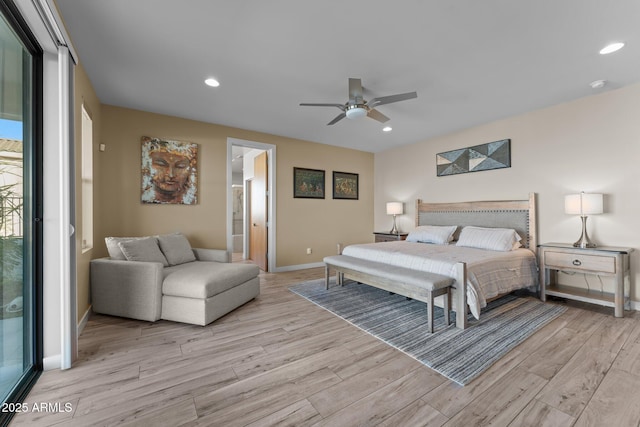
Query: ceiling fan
357	106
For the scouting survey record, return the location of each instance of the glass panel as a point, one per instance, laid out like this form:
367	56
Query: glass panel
15	210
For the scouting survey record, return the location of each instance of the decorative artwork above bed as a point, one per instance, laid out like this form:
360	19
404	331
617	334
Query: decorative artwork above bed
493	155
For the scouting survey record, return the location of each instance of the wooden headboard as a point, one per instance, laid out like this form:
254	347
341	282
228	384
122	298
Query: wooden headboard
517	214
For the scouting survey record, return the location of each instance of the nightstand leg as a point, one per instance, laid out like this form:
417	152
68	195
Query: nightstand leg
619	288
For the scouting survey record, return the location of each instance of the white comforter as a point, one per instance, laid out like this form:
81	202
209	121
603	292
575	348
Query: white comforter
490	273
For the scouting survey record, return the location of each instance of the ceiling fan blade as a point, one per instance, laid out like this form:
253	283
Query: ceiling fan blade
337	119
377	115
340	106
391	98
355	89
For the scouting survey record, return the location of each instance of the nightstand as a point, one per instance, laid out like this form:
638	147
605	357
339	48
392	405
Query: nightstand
603	261
390	237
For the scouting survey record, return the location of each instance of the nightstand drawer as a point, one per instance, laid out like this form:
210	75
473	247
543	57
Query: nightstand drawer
561	260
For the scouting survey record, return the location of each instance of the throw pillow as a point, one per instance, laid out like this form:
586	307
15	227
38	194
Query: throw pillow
114	249
176	248
145	249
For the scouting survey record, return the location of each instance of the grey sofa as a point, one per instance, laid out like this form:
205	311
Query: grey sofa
174	282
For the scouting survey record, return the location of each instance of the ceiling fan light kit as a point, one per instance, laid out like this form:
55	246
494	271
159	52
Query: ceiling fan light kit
356	111
357	107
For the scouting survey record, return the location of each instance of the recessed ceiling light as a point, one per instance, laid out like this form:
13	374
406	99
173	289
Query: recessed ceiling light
387	129
212	82
598	84
613	47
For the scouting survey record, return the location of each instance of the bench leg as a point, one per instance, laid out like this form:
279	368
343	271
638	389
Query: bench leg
447	307
326	277
430	313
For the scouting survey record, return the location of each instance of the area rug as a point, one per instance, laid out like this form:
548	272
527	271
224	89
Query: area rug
460	355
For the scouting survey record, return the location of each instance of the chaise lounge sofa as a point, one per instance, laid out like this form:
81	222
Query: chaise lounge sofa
162	277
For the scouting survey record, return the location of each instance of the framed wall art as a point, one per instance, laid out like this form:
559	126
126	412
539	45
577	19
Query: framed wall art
492	155
308	183
169	172
345	185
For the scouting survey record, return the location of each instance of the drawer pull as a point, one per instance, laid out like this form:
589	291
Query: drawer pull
577	262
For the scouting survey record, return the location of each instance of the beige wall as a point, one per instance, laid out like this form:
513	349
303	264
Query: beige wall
301	223
591	145
84	94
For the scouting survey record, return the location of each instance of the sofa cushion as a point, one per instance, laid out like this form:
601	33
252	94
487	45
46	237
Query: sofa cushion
204	279
145	249
176	248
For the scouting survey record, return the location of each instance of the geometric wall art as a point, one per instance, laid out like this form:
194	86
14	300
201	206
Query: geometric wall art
492	155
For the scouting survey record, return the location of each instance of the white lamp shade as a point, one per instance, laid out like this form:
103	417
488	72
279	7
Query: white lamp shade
583	204
395	208
356	112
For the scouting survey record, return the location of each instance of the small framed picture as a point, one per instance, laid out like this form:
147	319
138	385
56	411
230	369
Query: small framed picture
345	185
308	183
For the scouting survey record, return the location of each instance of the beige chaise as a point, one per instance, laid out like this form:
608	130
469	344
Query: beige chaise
162	277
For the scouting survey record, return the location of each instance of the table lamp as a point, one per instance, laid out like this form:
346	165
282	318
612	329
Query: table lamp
583	204
395	208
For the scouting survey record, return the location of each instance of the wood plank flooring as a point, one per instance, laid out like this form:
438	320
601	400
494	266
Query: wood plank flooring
281	360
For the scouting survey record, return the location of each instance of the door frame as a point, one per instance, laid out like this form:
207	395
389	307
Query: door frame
271	207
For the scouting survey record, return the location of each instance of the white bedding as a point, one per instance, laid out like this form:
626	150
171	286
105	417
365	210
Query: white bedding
490	273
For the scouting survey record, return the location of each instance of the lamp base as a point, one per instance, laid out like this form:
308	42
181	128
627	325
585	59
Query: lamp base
584	241
394	230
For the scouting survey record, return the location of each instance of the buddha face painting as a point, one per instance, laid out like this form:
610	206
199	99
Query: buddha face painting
169	172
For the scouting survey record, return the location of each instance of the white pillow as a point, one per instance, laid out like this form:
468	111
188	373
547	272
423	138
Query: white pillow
438	234
495	239
145	249
176	248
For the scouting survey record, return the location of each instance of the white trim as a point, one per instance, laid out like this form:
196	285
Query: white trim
271	173
83	322
65	231
58	33
298	267
51	362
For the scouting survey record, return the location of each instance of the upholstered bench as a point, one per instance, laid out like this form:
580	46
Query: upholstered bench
162	277
419	285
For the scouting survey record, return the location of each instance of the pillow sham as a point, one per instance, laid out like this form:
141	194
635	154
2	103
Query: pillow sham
176	248
438	234
145	249
494	239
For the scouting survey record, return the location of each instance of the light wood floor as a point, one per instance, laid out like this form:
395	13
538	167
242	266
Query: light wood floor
280	360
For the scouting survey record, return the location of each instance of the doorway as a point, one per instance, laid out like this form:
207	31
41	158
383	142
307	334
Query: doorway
251	202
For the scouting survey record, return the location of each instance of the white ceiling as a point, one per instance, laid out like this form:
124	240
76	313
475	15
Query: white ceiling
470	61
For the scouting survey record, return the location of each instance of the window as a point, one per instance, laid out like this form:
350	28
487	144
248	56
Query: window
87	181
20	208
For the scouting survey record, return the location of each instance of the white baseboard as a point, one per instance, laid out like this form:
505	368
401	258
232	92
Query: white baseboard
83	321
298	267
52	362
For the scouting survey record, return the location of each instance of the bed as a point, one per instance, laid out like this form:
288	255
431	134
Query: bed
479	274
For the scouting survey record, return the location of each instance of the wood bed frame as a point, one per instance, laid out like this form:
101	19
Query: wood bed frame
517	214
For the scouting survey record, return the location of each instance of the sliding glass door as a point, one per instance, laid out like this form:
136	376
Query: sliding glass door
20	221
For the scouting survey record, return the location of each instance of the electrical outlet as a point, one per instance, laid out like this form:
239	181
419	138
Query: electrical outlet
308	251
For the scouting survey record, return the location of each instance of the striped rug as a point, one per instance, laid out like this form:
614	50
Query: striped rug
460	355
